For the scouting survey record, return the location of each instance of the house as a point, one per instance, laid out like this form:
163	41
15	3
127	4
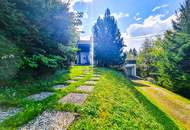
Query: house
131	68
84	54
84	57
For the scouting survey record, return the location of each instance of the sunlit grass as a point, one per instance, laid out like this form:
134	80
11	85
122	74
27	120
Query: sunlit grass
175	106
115	104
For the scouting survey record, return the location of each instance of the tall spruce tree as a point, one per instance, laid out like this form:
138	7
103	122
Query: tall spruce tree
183	18
108	43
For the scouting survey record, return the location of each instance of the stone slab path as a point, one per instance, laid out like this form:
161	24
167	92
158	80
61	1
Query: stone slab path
86	88
7	112
60	86
90	82
57	120
96	75
51	121
78	78
74	98
71	81
40	96
95	79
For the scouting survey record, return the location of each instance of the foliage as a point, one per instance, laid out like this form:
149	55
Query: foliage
167	60
43	31
132	54
108	44
10	59
183	18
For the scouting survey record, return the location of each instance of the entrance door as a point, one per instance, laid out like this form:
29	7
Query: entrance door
130	71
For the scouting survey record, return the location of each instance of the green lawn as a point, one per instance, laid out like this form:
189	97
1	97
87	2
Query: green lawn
176	107
114	104
15	96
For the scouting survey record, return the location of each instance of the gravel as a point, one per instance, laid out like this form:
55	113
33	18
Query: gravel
54	120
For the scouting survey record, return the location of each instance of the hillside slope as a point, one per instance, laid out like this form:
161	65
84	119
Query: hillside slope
115	104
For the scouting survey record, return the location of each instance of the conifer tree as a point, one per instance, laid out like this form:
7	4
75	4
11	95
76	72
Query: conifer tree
108	43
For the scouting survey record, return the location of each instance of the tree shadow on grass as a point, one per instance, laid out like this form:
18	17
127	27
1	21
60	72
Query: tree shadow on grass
159	115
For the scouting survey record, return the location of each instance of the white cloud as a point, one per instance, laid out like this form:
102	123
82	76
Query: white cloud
159	7
73	2
137	18
153	25
117	15
120	15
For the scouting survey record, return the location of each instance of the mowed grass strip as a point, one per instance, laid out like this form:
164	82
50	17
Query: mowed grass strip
177	107
115	104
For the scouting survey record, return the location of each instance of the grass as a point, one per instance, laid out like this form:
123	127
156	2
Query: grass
176	107
15	96
116	104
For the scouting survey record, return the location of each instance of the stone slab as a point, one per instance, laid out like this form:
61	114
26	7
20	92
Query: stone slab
41	96
95	79
71	81
7	112
86	88
60	86
96	75
78	78
90	82
82	75
74	98
51	121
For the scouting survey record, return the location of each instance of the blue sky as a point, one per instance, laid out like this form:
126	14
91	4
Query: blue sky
136	19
